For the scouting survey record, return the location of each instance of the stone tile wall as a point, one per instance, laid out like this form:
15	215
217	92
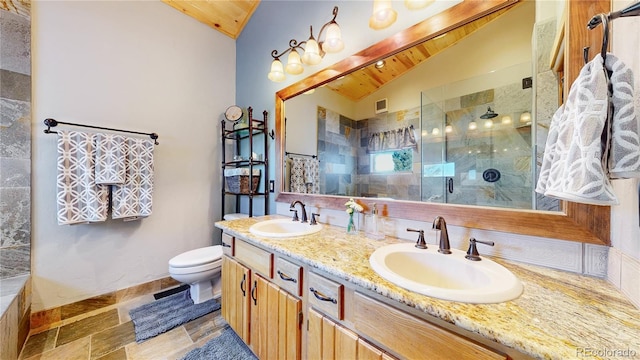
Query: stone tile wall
337	144
400	186
15	144
505	147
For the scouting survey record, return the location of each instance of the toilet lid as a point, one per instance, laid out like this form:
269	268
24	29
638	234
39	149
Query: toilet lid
197	257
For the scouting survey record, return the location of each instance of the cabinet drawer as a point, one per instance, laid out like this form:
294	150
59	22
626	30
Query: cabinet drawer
227	244
326	295
288	276
412	337
257	259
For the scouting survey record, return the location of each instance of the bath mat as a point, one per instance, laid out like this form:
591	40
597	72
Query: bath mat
227	346
165	314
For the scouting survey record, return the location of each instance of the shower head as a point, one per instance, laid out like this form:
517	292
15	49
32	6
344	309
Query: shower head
490	114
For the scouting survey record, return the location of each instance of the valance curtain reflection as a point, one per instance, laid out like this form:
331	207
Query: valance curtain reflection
402	138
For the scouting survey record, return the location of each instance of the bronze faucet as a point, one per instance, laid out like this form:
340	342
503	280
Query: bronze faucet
441	225
303	210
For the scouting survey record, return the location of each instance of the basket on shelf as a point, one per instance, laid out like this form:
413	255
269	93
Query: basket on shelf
237	180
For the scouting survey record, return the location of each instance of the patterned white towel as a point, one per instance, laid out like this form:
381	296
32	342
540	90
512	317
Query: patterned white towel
133	200
110	159
79	199
297	176
593	137
311	176
624	156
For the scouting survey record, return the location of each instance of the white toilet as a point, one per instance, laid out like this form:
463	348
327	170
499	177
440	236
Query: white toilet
200	268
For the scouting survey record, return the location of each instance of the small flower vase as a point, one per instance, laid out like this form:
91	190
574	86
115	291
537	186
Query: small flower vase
351	226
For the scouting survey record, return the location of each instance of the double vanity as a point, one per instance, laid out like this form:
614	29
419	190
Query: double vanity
294	290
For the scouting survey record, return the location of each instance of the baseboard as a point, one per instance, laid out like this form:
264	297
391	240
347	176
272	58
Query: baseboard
45	319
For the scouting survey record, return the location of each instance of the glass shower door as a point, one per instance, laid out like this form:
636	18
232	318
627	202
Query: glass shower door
437	174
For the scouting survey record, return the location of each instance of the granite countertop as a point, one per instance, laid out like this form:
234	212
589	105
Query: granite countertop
560	315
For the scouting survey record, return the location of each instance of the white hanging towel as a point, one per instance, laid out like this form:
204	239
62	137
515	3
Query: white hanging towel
110	159
133	200
593	137
79	199
573	169
311	175
297	175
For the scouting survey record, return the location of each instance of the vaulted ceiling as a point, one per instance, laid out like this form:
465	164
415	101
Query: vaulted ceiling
228	17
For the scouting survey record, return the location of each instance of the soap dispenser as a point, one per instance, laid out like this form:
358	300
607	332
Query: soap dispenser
375	227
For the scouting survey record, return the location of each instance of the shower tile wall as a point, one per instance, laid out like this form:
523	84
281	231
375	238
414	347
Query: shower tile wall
505	147
337	144
15	144
400	186
345	164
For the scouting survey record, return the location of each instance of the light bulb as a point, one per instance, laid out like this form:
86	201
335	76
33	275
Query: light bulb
473	125
294	66
448	129
488	123
506	120
333	42
311	54
525	117
383	15
277	73
416	4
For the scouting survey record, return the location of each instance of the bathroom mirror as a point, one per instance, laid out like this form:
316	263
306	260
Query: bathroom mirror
574	222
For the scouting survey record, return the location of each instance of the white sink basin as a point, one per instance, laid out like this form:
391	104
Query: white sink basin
281	228
447	277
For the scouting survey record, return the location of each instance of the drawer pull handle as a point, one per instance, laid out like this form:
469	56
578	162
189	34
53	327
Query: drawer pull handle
253	293
323	297
224	244
286	277
242	285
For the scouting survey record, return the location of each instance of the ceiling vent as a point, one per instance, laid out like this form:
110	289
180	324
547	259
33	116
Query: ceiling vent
381	106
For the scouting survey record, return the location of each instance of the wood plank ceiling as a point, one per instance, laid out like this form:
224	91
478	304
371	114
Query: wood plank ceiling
228	17
368	80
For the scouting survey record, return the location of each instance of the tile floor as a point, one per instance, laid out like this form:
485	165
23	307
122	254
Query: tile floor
107	334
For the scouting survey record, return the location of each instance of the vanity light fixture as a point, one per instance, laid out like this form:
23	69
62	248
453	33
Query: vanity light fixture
384	15
312	52
473	125
448	129
525	117
417	4
506	120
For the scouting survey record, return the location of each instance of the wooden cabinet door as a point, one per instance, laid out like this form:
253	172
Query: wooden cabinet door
328	340
314	334
290	326
235	296
275	326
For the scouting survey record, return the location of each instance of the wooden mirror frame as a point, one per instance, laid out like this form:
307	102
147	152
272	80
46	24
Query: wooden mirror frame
577	222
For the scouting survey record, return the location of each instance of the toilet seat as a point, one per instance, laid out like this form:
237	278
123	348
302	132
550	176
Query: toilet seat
206	256
194	269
